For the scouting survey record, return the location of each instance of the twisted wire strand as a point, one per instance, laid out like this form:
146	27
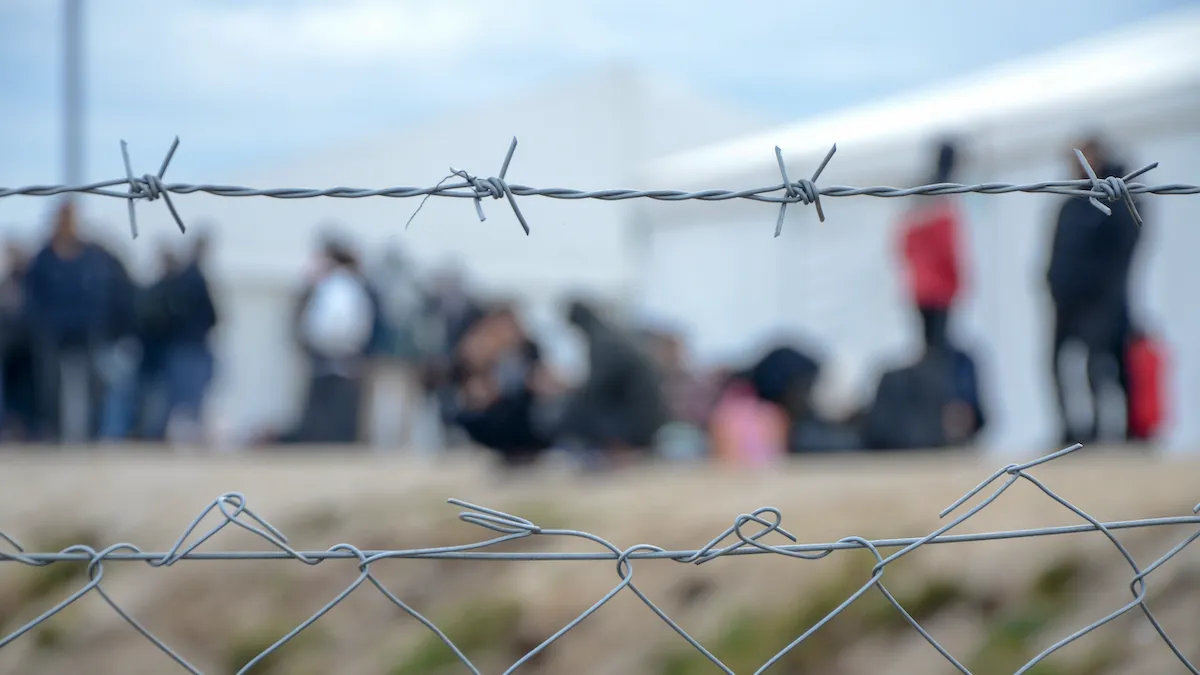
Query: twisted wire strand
733	541
150	187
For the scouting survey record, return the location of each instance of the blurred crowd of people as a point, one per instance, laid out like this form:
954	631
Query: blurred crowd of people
88	354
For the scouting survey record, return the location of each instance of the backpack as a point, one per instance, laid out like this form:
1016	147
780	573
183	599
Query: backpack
907	411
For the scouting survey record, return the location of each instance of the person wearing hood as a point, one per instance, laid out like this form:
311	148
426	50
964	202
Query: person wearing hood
1088	281
620	407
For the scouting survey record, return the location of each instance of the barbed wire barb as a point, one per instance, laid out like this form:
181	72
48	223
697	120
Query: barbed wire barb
804	191
149	187
496	187
1112	188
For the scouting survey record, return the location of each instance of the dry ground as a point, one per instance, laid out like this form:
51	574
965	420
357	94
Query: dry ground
993	604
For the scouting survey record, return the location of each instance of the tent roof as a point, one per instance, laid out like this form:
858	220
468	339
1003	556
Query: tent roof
1155	55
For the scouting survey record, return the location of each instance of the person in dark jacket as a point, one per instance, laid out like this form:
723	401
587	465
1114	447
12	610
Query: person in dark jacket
69	291
621	405
181	316
1088	280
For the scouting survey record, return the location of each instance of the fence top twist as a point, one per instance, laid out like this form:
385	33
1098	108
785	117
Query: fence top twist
805	191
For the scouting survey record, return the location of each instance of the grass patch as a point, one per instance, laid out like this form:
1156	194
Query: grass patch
317	520
1012	636
49	636
45	581
1103	658
924	603
1055	583
488	626
251	641
750	639
34	589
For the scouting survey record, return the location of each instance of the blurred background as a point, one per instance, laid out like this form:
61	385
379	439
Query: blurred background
345	357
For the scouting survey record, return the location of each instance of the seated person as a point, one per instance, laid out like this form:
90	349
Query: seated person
499	378
932	403
620	409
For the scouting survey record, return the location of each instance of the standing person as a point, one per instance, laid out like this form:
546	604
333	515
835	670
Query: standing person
335	320
935	256
931	250
1088	280
188	359
68	292
934	401
620	407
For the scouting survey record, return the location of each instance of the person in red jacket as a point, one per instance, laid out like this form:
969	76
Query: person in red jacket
930	249
934	402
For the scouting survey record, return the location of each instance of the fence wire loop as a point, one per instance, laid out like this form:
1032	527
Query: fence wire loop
491	519
232	509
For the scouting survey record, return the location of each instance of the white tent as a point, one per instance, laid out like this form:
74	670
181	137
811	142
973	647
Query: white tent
715	269
592	132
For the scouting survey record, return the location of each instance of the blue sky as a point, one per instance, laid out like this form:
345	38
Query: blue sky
245	82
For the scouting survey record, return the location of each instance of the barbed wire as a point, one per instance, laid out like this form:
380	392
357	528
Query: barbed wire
150	187
734	541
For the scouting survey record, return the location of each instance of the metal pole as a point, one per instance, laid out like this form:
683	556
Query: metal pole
72	92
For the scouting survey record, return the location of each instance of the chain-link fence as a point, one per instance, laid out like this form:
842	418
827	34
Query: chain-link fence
748	535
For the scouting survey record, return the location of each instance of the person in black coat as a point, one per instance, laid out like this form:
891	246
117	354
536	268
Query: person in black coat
1088	280
179	315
